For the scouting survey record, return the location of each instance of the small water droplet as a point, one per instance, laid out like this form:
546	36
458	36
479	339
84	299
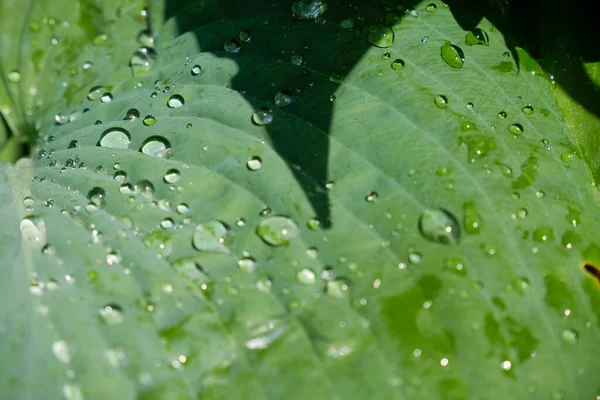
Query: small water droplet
254	163
477	37
175	101
172	176
106	97
144	188
246	264
337	288
306	276
117	138
543	234
425	39
245	36
441	101
516	129
210	237
61	119
452	55
61	351
97	196
527	110
431	7
263	116
439	226
14	76
72	391
141	60
506	365
277	230
96	92
386	56
566	157
232	46
569	336
111	314
149	120
182	208
283	98
196	70
308	9
296	59
398	65
415	257
132	114
472	220
380	35
157	146
313	224
372	197
501	115
347	23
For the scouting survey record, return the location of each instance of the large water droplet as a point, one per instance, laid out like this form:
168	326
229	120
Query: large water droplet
33	231
477	37
516	129
527	110
380	35
441	101
111	314
106	97
142	60
254	163
157	146
172	176
117	138
263	116
439	226
97	196
145	188
452	55
277	231
210	236
175	101
398	64
308	9
149	120
306	276
96	92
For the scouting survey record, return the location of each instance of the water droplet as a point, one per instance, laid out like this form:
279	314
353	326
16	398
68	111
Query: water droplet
96	92
386	56
543	234
145	38
132	114
313	224
441	101
570	239
157	146
472	221
175	101
112	257
569	336
296	59
111	314
527	109
149	120
33	231
380	35
439	226
312	252
144	188
141	60
308	9
245	36
415	257
467	126
347	23
182	208
72	391
262	117
246	264
501	115
306	276
210	236
372	197
117	138
61	119
425	39
106	97
97	196
477	37
254	163
196	70
566	157
61	351
277	230
337	288
573	217
283	98
160	241
452	55
506	365
478	146
172	176
398	65
431	7
232	46
14	76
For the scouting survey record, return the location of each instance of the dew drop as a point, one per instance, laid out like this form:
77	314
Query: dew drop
337	288
277	230
61	351
439	226
254	163
245	36
14	76
283	98
210	237
308	9
172	176
569	336
441	101
232	46
306	276
72	391
431	7
452	55
262	117
61	119
182	208
516	129
141	60
149	120
246	264
415	257
132	114
477	37
116	138
313	224
472	220
398	65
96	92
296	59
157	146
111	314
380	35
372	197
543	234
175	101
97	196
501	115
106	97
566	157
196	70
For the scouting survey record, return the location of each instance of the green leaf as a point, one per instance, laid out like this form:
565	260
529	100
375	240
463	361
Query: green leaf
293	207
